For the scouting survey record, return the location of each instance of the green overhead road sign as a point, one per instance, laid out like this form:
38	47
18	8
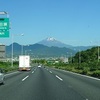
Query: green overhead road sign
4	27
4	34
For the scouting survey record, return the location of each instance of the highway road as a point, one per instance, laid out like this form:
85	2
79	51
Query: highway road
49	84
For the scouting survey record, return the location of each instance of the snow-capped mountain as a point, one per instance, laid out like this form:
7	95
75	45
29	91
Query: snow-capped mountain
53	42
51	39
48	47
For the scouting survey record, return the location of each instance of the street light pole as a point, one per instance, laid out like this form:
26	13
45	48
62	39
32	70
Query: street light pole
13	48
12	52
79	57
98	53
4	13
27	51
22	46
22	50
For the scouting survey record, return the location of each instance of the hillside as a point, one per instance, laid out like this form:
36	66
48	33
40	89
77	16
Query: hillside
39	50
89	55
50	41
84	62
49	47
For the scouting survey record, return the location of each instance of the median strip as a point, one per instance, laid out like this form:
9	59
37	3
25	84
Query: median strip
25	78
59	78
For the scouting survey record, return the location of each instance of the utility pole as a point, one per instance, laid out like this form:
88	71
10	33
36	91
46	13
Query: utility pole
79	57
13	46
98	53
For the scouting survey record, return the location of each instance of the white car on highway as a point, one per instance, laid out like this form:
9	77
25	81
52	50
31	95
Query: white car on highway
39	66
1	77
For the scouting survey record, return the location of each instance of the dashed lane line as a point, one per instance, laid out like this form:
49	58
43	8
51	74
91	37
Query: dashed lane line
32	71
59	78
50	71
25	78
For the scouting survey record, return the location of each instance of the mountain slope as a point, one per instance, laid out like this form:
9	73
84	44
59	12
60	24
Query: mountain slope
53	42
48	47
39	50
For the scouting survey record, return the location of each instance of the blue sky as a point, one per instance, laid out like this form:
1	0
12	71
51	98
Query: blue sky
74	22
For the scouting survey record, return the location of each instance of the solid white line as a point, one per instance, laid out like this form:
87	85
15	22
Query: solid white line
59	78
82	75
25	78
50	71
11	73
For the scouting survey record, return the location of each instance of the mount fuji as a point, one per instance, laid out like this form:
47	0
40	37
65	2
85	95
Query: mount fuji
48	47
53	42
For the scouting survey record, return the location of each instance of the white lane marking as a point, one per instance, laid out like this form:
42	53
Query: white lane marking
25	78
82	75
59	78
11	73
33	72
50	71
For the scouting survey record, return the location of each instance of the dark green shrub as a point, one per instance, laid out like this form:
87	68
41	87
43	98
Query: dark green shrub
96	73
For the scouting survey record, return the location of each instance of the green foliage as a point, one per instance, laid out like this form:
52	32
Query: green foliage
84	62
6	66
87	56
39	61
96	73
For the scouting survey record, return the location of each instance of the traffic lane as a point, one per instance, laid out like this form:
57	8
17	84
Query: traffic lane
16	73
40	85
87	87
83	78
51	88
90	80
10	78
15	77
44	86
12	85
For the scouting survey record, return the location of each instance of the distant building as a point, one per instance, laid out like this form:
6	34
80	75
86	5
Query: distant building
64	59
2	52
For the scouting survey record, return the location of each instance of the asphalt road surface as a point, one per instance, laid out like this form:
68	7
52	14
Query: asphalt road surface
49	84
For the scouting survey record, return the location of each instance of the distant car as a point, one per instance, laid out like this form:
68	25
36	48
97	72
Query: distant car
1	77
39	66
